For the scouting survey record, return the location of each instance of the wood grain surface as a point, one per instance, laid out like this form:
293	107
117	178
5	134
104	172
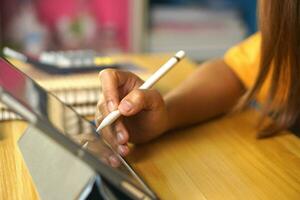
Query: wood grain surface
220	159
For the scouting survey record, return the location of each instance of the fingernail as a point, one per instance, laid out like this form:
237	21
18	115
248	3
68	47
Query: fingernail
120	137
125	106
122	149
111	106
114	161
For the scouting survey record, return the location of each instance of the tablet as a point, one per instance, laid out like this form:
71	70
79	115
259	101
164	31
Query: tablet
69	130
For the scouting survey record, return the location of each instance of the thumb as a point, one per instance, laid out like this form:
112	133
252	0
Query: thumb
138	100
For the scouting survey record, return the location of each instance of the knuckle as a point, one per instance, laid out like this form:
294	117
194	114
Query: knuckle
136	81
157	98
157	95
139	95
159	103
139	81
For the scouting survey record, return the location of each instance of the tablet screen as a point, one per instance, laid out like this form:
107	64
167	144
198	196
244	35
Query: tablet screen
49	108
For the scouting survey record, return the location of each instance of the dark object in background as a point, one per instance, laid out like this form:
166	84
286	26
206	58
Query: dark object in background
64	62
7	8
246	7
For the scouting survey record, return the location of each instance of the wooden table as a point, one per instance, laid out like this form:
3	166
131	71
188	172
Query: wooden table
220	159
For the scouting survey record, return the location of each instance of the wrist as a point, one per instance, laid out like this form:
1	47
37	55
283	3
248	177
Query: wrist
171	117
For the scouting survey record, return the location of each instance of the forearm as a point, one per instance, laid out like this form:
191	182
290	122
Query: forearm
211	91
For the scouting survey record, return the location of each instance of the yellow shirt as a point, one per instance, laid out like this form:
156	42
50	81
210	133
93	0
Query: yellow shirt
244	60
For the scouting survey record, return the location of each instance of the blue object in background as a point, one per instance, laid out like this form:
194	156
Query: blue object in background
246	7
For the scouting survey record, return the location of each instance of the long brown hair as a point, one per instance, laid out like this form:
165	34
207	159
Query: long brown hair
279	61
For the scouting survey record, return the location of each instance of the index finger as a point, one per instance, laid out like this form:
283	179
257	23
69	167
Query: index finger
111	81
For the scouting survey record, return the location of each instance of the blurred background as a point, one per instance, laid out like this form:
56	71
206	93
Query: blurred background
204	28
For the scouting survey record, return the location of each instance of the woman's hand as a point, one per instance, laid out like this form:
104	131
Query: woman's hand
144	112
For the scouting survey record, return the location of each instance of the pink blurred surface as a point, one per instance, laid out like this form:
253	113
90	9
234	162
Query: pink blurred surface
106	12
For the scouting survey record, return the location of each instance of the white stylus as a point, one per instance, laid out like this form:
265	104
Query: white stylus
114	115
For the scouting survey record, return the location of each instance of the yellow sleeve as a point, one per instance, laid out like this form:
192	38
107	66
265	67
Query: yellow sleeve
243	59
